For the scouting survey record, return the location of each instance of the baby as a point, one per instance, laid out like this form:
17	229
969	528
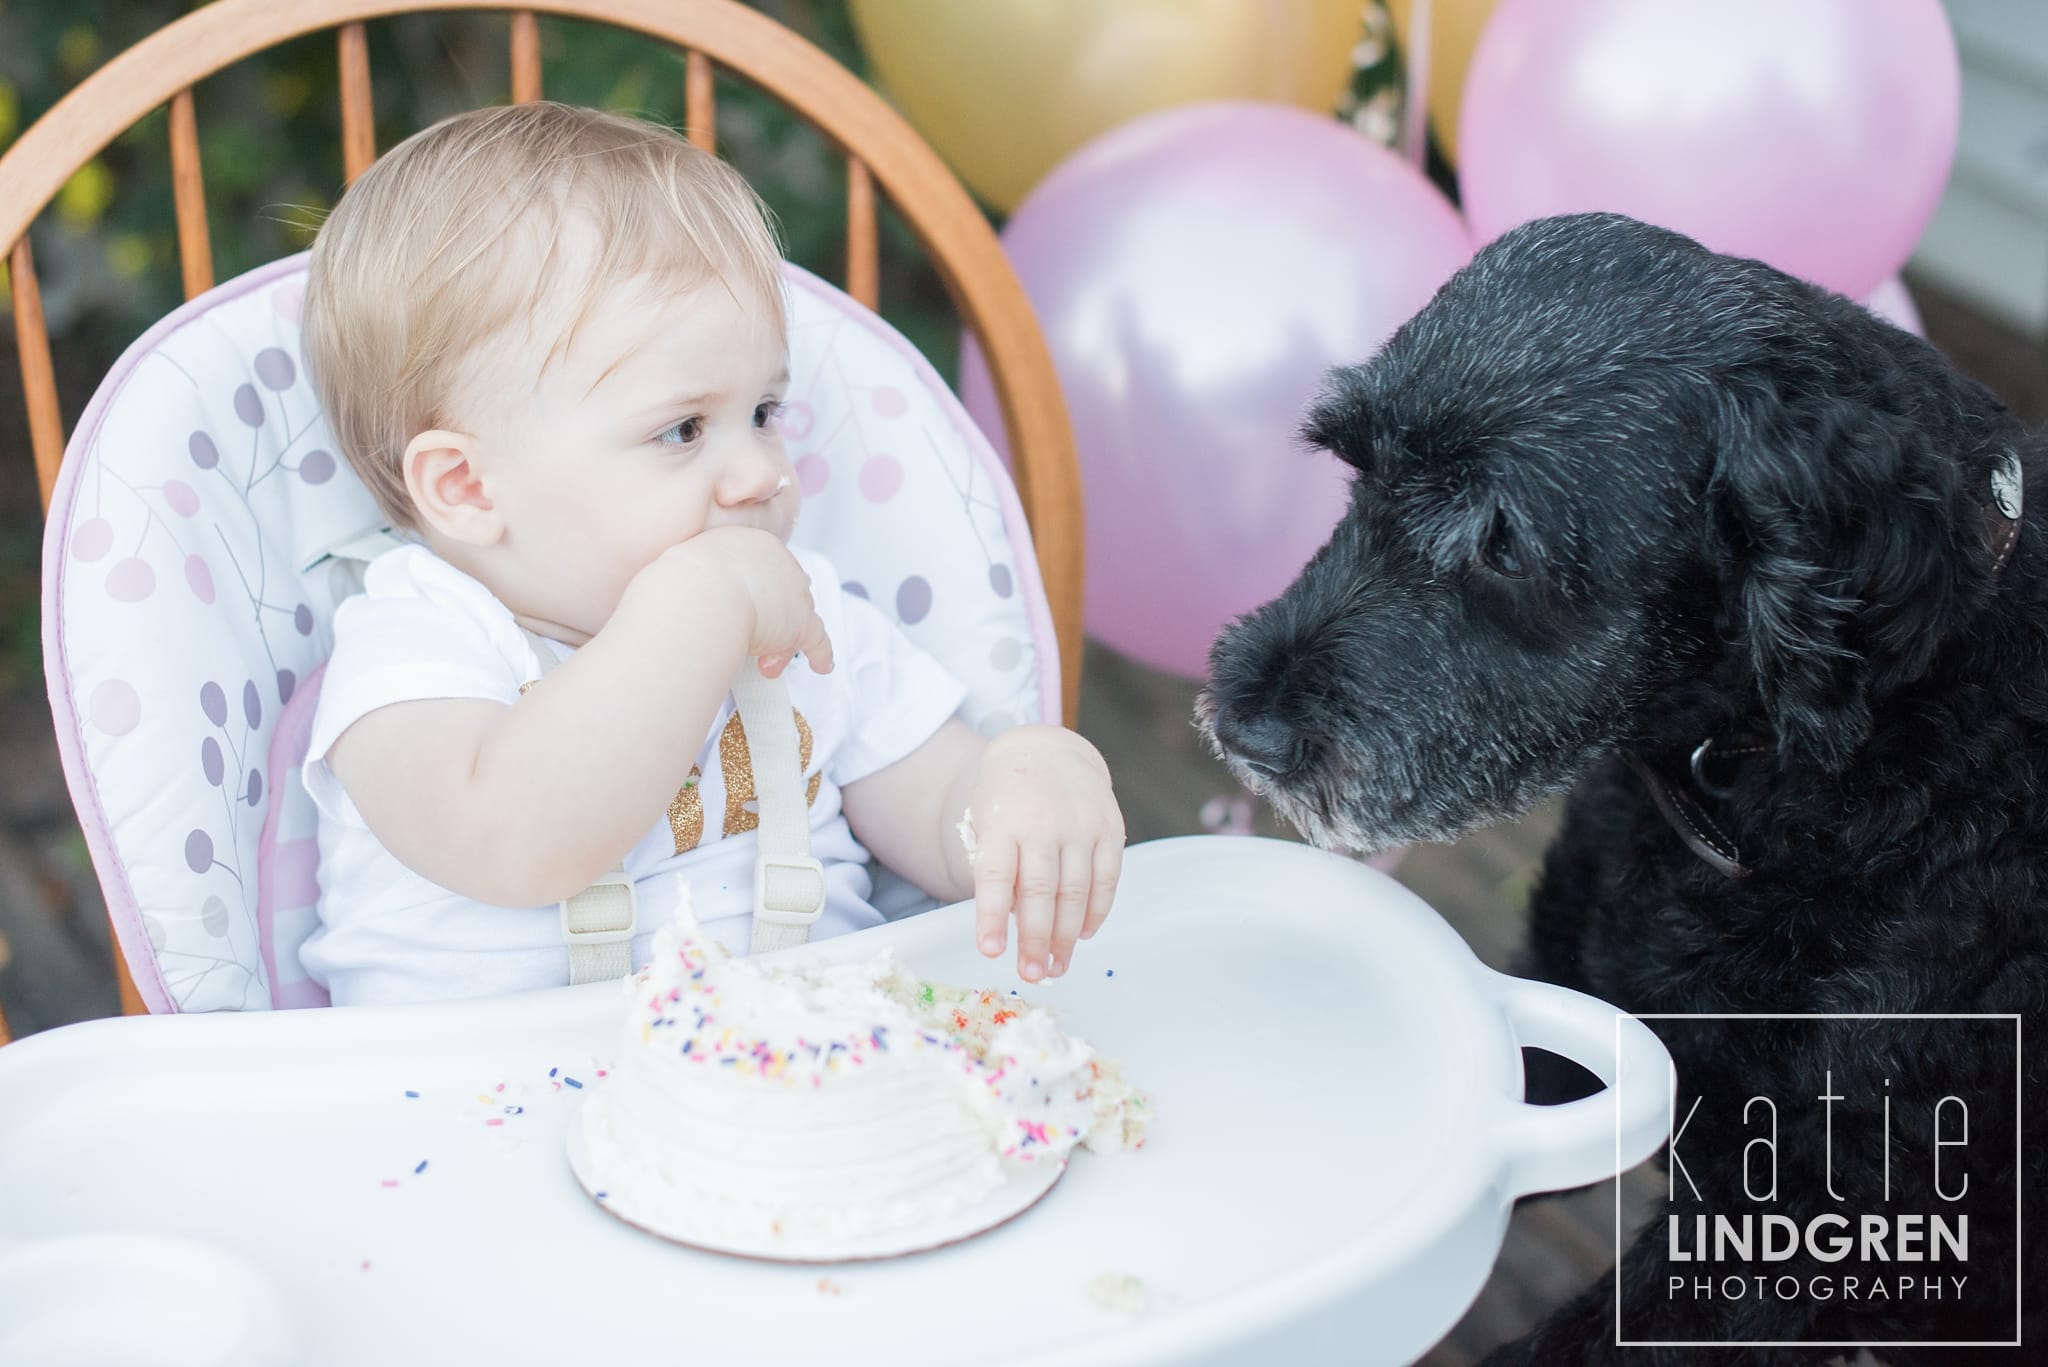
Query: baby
552	343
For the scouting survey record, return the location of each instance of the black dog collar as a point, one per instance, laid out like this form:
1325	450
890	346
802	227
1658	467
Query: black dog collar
1688	816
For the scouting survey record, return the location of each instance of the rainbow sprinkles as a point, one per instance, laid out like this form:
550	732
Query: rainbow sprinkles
834	1099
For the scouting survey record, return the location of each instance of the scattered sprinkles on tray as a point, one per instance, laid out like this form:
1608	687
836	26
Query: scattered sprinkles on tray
501	1104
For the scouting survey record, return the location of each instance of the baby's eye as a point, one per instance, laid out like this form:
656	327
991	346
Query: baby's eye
766	414
682	433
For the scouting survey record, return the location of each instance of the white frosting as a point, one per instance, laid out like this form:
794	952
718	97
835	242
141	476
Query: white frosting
833	1099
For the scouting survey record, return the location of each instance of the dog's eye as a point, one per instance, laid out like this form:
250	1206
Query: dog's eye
1501	554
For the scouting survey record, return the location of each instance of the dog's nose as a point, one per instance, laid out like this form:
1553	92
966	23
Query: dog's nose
1265	745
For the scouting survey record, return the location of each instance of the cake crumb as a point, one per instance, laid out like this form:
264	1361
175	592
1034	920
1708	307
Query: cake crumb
967	840
828	1287
1116	1291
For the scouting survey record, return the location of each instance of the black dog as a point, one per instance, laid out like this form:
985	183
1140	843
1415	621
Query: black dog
1760	579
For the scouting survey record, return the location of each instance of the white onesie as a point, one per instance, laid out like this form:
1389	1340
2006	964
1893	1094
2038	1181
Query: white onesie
423	629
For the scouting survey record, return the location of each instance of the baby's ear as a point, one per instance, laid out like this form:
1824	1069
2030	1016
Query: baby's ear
443	476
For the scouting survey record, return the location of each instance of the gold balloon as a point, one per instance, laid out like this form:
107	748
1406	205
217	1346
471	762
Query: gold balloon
1454	29
1004	89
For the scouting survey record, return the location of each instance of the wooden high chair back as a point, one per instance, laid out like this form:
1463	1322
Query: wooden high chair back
882	154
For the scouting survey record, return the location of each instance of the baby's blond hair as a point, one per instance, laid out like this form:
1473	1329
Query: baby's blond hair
409	277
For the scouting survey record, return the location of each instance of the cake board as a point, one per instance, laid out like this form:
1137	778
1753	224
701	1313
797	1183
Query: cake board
1024	1186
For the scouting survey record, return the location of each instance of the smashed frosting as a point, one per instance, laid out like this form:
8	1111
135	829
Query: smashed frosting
834	1099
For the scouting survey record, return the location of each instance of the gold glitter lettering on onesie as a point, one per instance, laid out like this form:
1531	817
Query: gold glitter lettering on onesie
803	758
686	813
686	808
737	764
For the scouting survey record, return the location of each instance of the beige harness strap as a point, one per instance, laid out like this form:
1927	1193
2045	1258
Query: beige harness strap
598	922
789	885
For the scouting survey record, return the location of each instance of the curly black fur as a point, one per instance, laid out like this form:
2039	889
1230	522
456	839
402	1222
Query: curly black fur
1616	492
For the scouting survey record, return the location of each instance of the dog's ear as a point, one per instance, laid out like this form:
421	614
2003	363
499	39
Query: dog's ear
1845	542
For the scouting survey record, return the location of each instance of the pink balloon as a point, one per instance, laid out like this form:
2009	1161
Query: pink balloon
1195	272
1815	135
1892	302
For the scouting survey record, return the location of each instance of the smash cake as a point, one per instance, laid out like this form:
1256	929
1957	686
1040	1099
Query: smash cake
777	1104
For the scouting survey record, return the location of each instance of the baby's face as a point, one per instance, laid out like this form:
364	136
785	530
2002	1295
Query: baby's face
657	423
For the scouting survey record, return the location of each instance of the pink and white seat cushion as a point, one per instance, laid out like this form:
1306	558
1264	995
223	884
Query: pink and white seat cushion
186	608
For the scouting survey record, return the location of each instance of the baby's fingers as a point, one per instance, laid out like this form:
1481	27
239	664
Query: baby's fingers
816	646
995	885
1038	882
1109	867
1071	906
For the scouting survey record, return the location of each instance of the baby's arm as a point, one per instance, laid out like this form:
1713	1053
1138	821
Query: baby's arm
1049	835
528	804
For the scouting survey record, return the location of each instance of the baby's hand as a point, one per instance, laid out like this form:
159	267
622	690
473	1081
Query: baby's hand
763	581
1049	845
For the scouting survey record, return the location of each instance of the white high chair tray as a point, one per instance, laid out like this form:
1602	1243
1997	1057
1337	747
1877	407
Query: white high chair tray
1336	1143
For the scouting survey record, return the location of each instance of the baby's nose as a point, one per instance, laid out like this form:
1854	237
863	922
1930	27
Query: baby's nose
752	478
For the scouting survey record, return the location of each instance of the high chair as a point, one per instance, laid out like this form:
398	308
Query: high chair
187	580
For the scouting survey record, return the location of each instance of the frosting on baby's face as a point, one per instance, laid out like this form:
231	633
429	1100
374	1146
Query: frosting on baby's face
652	420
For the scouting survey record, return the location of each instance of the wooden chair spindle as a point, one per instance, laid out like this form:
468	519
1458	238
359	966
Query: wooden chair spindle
358	123
188	191
38	375
863	256
700	103
525	57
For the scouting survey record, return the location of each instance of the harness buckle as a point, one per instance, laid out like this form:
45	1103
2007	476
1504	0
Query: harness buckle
789	889
605	913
